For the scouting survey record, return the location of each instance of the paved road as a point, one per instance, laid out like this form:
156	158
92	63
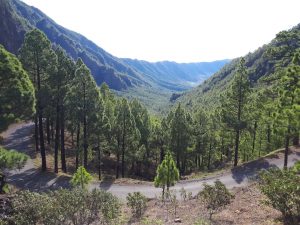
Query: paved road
19	137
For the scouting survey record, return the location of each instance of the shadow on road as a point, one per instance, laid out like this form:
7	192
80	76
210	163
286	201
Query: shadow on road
35	180
106	183
250	170
20	140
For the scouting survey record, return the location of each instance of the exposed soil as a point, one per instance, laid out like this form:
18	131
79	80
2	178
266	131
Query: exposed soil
246	208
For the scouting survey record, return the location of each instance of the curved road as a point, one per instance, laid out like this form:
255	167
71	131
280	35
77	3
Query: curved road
18	137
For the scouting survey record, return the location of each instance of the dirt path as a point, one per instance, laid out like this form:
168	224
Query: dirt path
19	137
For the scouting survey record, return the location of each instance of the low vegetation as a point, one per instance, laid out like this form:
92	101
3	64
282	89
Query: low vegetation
137	203
9	160
282	187
215	197
75	207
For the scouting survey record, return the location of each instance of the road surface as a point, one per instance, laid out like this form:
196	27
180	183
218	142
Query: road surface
19	137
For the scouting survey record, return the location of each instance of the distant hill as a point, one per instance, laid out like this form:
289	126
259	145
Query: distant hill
16	18
265	66
176	76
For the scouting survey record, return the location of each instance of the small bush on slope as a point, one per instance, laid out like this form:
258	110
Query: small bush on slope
282	187
215	197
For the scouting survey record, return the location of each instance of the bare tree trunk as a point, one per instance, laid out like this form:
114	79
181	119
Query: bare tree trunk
48	130
99	161
209	155
36	132
62	141
56	145
236	149
78	145
286	149
254	137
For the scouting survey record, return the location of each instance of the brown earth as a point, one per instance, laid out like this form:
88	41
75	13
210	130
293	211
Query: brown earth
247	208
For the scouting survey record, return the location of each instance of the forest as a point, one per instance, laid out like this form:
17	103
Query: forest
65	103
82	128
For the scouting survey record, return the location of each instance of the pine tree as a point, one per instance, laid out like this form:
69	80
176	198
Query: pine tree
128	135
289	102
179	137
60	83
234	105
38	60
84	97
201	136
166	174
17	100
143	124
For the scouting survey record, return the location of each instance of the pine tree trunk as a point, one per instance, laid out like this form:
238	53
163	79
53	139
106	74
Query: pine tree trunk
118	157
56	145
222	148
236	149
123	145
52	130
40	118
254	137
99	161
178	157
85	144
62	141
209	155
162	154
36	132
78	145
123	157
286	149
260	144
48	130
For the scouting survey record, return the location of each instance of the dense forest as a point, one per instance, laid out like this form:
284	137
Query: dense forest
100	128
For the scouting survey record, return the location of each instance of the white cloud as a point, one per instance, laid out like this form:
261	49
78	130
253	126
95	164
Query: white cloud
178	30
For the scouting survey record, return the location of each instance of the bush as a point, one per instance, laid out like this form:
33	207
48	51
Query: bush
137	202
215	197
64	207
296	167
282	187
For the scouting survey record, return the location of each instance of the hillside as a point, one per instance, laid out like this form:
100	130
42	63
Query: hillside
16	18
264	65
176	76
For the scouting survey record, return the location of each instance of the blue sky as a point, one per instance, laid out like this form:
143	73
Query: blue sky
175	30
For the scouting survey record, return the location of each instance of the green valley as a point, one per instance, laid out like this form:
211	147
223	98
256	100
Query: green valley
90	138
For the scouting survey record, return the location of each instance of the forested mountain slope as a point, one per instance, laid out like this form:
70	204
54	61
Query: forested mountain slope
265	65
16	18
179	75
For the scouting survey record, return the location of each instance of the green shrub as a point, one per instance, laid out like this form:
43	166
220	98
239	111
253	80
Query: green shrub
296	167
137	202
64	207
215	197
282	187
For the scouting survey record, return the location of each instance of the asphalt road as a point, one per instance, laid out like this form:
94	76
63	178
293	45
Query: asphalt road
18	137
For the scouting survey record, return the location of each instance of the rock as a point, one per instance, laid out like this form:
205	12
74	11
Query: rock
177	220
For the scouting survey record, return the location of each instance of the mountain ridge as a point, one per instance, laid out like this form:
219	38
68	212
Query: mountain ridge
265	65
16	18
